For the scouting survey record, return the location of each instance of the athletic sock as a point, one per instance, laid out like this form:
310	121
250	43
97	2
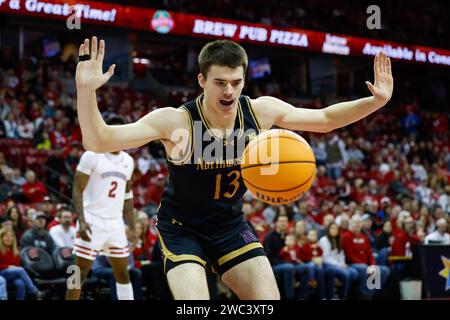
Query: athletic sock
124	291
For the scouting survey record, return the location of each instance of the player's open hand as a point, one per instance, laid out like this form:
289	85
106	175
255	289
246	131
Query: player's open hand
383	81
89	72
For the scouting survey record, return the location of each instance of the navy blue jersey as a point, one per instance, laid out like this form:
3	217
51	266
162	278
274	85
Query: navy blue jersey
205	186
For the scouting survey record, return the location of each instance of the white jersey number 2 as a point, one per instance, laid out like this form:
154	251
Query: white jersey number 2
112	191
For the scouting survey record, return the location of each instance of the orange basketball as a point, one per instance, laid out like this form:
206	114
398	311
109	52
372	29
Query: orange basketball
278	166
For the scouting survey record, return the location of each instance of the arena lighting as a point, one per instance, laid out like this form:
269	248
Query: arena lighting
168	23
141	61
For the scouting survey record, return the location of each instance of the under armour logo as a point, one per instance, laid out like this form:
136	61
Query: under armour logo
248	236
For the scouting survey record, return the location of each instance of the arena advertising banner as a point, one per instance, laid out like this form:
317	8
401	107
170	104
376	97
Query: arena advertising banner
168	23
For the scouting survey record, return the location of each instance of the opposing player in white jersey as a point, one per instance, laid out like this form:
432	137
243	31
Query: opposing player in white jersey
102	196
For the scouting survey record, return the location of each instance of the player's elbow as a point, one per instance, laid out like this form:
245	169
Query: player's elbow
90	146
323	123
98	143
94	146
326	126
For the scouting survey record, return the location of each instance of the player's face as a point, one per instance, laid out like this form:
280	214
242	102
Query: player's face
222	87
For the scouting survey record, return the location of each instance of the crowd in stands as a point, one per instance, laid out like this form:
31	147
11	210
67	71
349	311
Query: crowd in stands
401	21
382	186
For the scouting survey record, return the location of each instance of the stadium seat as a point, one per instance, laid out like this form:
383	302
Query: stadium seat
63	258
41	268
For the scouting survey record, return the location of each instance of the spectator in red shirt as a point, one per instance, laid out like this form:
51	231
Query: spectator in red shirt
34	191
359	256
324	184
404	238
10	268
300	232
311	255
291	251
256	220
58	136
148	226
152	270
142	250
156	189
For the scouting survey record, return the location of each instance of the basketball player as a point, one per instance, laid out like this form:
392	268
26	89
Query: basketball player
200	218
101	192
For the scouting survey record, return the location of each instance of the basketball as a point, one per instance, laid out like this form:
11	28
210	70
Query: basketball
278	166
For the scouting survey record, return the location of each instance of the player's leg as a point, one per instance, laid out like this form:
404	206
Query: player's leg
116	249
73	292
122	276
253	279
184	260
187	281
240	260
85	253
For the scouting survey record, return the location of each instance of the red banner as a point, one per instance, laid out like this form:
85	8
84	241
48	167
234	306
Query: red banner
165	22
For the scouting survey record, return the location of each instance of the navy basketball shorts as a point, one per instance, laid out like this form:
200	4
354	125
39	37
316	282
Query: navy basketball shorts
222	249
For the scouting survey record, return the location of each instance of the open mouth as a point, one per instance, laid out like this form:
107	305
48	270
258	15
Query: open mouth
226	102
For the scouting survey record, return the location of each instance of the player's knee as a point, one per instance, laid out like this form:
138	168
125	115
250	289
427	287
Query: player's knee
123	277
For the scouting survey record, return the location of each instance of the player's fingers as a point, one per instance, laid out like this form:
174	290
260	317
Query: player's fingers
383	62
375	69
101	51
94	48
86	46
81	49
388	66
108	74
370	87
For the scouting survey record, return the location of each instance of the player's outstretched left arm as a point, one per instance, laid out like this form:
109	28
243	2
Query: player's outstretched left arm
272	111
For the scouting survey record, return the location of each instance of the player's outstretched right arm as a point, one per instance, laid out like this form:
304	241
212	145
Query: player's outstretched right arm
97	135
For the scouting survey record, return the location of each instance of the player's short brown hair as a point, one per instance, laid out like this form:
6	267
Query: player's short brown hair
222	53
